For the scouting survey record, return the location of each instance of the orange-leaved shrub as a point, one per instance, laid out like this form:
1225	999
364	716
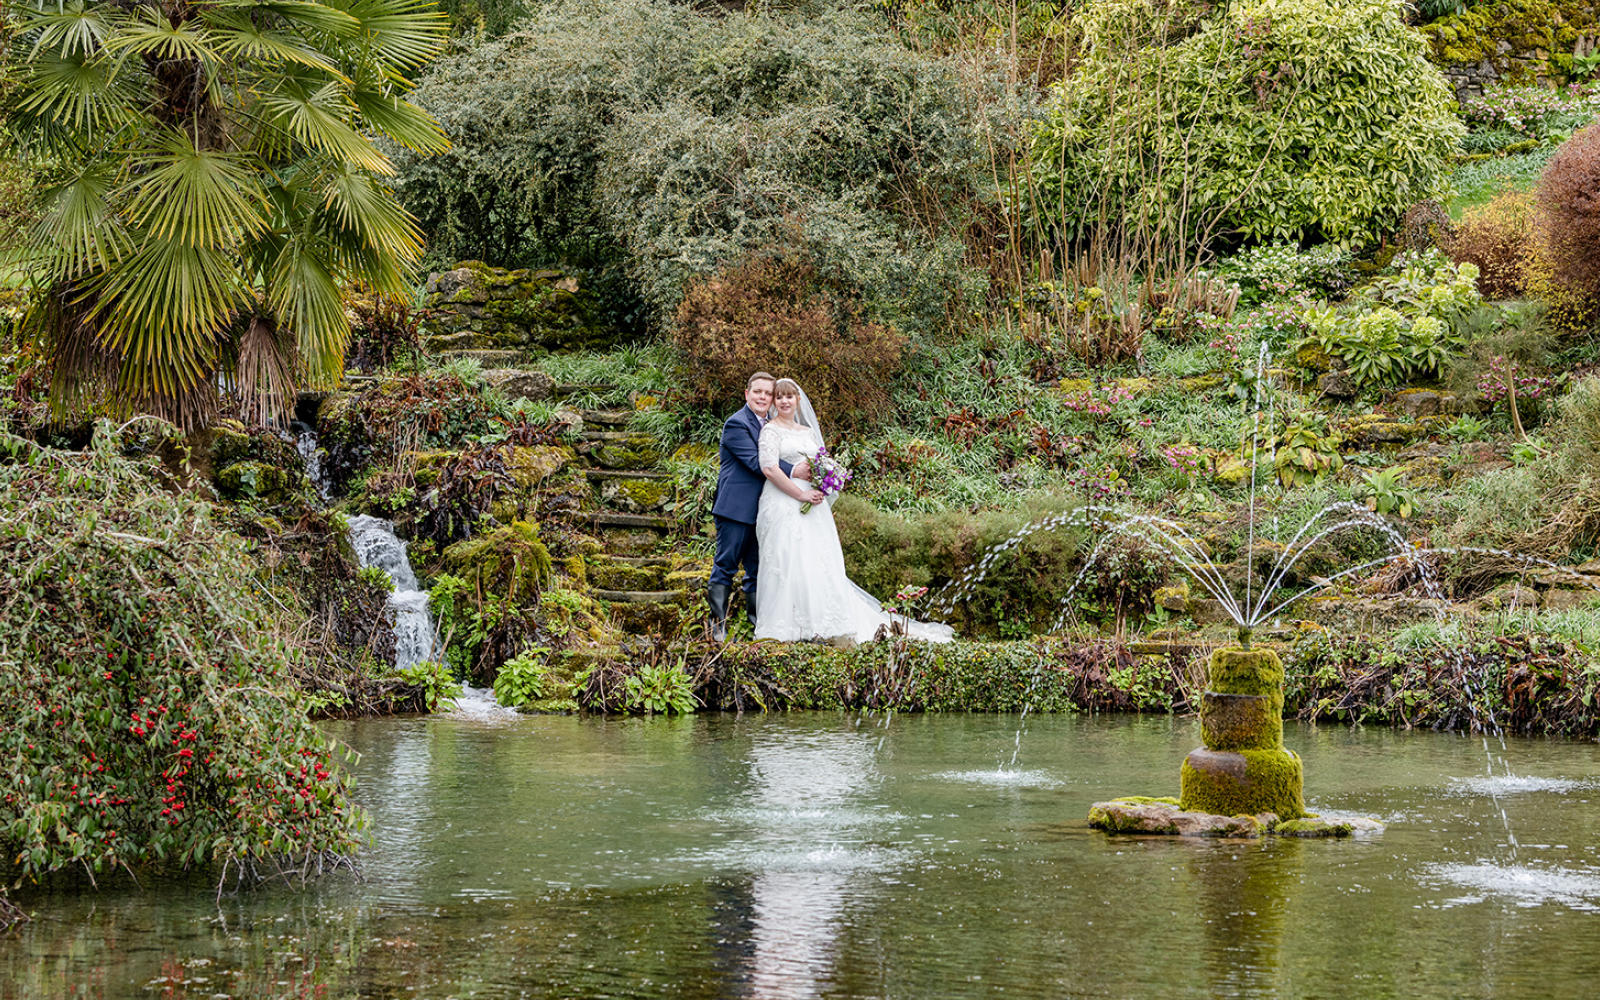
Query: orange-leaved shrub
772	311
1498	238
1569	228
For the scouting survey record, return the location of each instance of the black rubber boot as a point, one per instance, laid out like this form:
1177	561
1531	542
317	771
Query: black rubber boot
717	594
750	607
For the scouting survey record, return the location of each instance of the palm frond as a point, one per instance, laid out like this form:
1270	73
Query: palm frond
239	37
304	293
403	33
402	121
263	371
164	308
80	92
72	29
77	233
316	118
153	35
202	198
360	205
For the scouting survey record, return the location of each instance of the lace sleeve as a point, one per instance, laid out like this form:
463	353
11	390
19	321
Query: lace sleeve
769	445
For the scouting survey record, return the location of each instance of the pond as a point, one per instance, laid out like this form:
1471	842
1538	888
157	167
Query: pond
841	855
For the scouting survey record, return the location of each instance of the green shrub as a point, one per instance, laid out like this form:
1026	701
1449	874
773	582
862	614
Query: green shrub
438	684
1312	120
524	679
648	144
660	689
1400	326
150	715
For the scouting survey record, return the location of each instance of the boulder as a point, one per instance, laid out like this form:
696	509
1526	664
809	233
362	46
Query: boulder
1337	385
517	383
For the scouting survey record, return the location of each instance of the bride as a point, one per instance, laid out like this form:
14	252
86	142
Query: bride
803	592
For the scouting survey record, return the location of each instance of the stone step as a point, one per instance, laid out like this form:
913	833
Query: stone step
490	358
572	389
604	474
610	572
629	451
626	437
657	522
639	596
606	418
642	562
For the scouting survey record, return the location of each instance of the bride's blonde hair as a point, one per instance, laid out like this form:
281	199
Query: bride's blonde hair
786	387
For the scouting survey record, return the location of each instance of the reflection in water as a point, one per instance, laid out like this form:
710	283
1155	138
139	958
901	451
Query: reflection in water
1243	892
814	792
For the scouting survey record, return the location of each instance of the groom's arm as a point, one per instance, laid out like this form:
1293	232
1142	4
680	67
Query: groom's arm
741	443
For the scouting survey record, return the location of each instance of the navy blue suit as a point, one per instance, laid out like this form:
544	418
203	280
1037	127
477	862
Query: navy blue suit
739	484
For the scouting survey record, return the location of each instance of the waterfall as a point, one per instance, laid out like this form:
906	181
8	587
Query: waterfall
377	545
305	442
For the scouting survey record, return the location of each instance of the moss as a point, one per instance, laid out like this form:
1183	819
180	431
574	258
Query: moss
1199	383
1245	671
1241	721
255	480
609	575
694	452
531	466
509	562
642	453
1148	800
1312	826
644	494
1243	783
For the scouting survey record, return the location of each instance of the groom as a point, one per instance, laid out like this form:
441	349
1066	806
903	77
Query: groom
738	497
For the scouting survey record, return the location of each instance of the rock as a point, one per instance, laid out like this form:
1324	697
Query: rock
1320	826
530	466
1417	403
1174	598
1337	385
1567	600
1378	429
517	383
465	284
1162	816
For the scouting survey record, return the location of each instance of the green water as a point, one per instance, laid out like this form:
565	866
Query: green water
846	856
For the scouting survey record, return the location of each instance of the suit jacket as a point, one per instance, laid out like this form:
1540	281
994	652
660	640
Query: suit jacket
740	479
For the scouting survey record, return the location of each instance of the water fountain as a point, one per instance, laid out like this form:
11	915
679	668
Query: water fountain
1242	781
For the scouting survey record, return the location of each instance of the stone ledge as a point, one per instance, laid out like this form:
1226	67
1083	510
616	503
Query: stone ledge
1162	817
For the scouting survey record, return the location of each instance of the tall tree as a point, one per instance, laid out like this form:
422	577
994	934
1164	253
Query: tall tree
211	189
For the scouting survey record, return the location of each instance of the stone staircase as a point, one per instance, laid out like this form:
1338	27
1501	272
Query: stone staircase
640	572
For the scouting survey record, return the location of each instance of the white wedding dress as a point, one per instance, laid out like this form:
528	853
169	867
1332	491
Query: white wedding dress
802	591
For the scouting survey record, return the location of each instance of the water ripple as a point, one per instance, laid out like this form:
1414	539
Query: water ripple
1525	886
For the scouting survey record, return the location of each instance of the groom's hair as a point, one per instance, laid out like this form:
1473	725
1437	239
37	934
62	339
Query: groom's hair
759	377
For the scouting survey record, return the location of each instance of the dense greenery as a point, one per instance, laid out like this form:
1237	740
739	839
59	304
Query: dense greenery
1318	121
151	716
209	189
648	144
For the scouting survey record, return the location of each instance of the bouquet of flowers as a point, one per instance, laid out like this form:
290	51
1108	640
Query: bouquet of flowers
828	474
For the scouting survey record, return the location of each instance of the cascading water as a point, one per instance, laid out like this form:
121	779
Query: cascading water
376	544
305	442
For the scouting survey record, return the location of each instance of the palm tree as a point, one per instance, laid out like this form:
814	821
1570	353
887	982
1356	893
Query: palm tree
210	189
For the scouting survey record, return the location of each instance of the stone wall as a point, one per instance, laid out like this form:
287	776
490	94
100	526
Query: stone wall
481	308
1512	42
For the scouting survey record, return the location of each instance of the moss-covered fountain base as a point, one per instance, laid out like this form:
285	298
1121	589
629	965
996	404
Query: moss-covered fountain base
1243	782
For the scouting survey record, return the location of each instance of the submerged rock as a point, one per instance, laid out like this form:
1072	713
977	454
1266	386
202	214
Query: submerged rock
1163	816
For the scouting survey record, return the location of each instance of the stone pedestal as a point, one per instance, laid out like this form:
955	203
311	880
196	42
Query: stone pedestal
1243	769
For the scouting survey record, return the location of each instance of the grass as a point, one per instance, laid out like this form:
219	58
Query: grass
1480	181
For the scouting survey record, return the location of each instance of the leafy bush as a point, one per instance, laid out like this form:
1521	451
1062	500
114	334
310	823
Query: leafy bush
1569	216
773	313
438	684
1228	130
650	144
1528	112
1401	326
524	679
150	714
1497	239
378	427
660	689
1277	269
1306	450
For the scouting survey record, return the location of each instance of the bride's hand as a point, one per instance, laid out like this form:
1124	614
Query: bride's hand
812	496
802	470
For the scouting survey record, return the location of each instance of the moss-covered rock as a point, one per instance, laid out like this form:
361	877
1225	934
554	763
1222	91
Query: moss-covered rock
257	481
477	307
1245	671
637	495
531	466
1138	814
1243	783
509	563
